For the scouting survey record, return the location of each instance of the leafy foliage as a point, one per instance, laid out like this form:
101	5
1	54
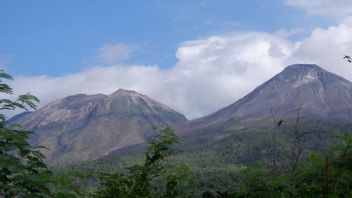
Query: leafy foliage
22	169
323	176
216	167
23	172
144	180
348	58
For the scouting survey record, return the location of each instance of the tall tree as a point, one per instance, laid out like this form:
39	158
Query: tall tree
22	170
139	182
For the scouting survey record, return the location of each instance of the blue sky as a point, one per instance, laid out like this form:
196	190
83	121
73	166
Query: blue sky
60	37
195	56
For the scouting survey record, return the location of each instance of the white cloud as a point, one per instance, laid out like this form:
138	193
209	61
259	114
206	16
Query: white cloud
210	73
286	33
326	47
114	53
323	7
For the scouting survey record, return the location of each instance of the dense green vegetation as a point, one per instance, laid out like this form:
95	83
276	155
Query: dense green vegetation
323	176
22	170
224	167
306	164
154	178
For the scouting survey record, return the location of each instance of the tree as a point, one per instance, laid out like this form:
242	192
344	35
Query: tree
23	172
303	135
139	183
348	58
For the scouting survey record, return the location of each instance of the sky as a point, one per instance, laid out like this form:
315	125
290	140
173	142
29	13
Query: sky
195	56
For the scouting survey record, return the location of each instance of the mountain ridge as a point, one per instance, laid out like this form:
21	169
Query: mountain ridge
83	127
305	86
310	101
319	93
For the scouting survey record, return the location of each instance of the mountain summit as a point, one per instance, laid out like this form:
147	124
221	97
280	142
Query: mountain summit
82	127
317	92
244	132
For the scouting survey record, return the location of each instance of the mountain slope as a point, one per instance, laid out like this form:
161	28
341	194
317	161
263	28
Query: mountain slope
318	93
83	127
244	134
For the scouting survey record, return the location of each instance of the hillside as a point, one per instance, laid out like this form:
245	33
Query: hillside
318	94
244	132
85	127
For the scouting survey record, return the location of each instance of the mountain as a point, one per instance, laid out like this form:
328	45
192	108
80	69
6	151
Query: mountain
316	92
84	127
218	147
243	133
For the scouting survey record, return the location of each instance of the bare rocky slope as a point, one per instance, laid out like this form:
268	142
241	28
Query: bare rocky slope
85	127
244	132
316	92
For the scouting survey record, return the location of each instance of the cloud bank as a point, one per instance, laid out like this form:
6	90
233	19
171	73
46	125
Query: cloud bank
210	73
